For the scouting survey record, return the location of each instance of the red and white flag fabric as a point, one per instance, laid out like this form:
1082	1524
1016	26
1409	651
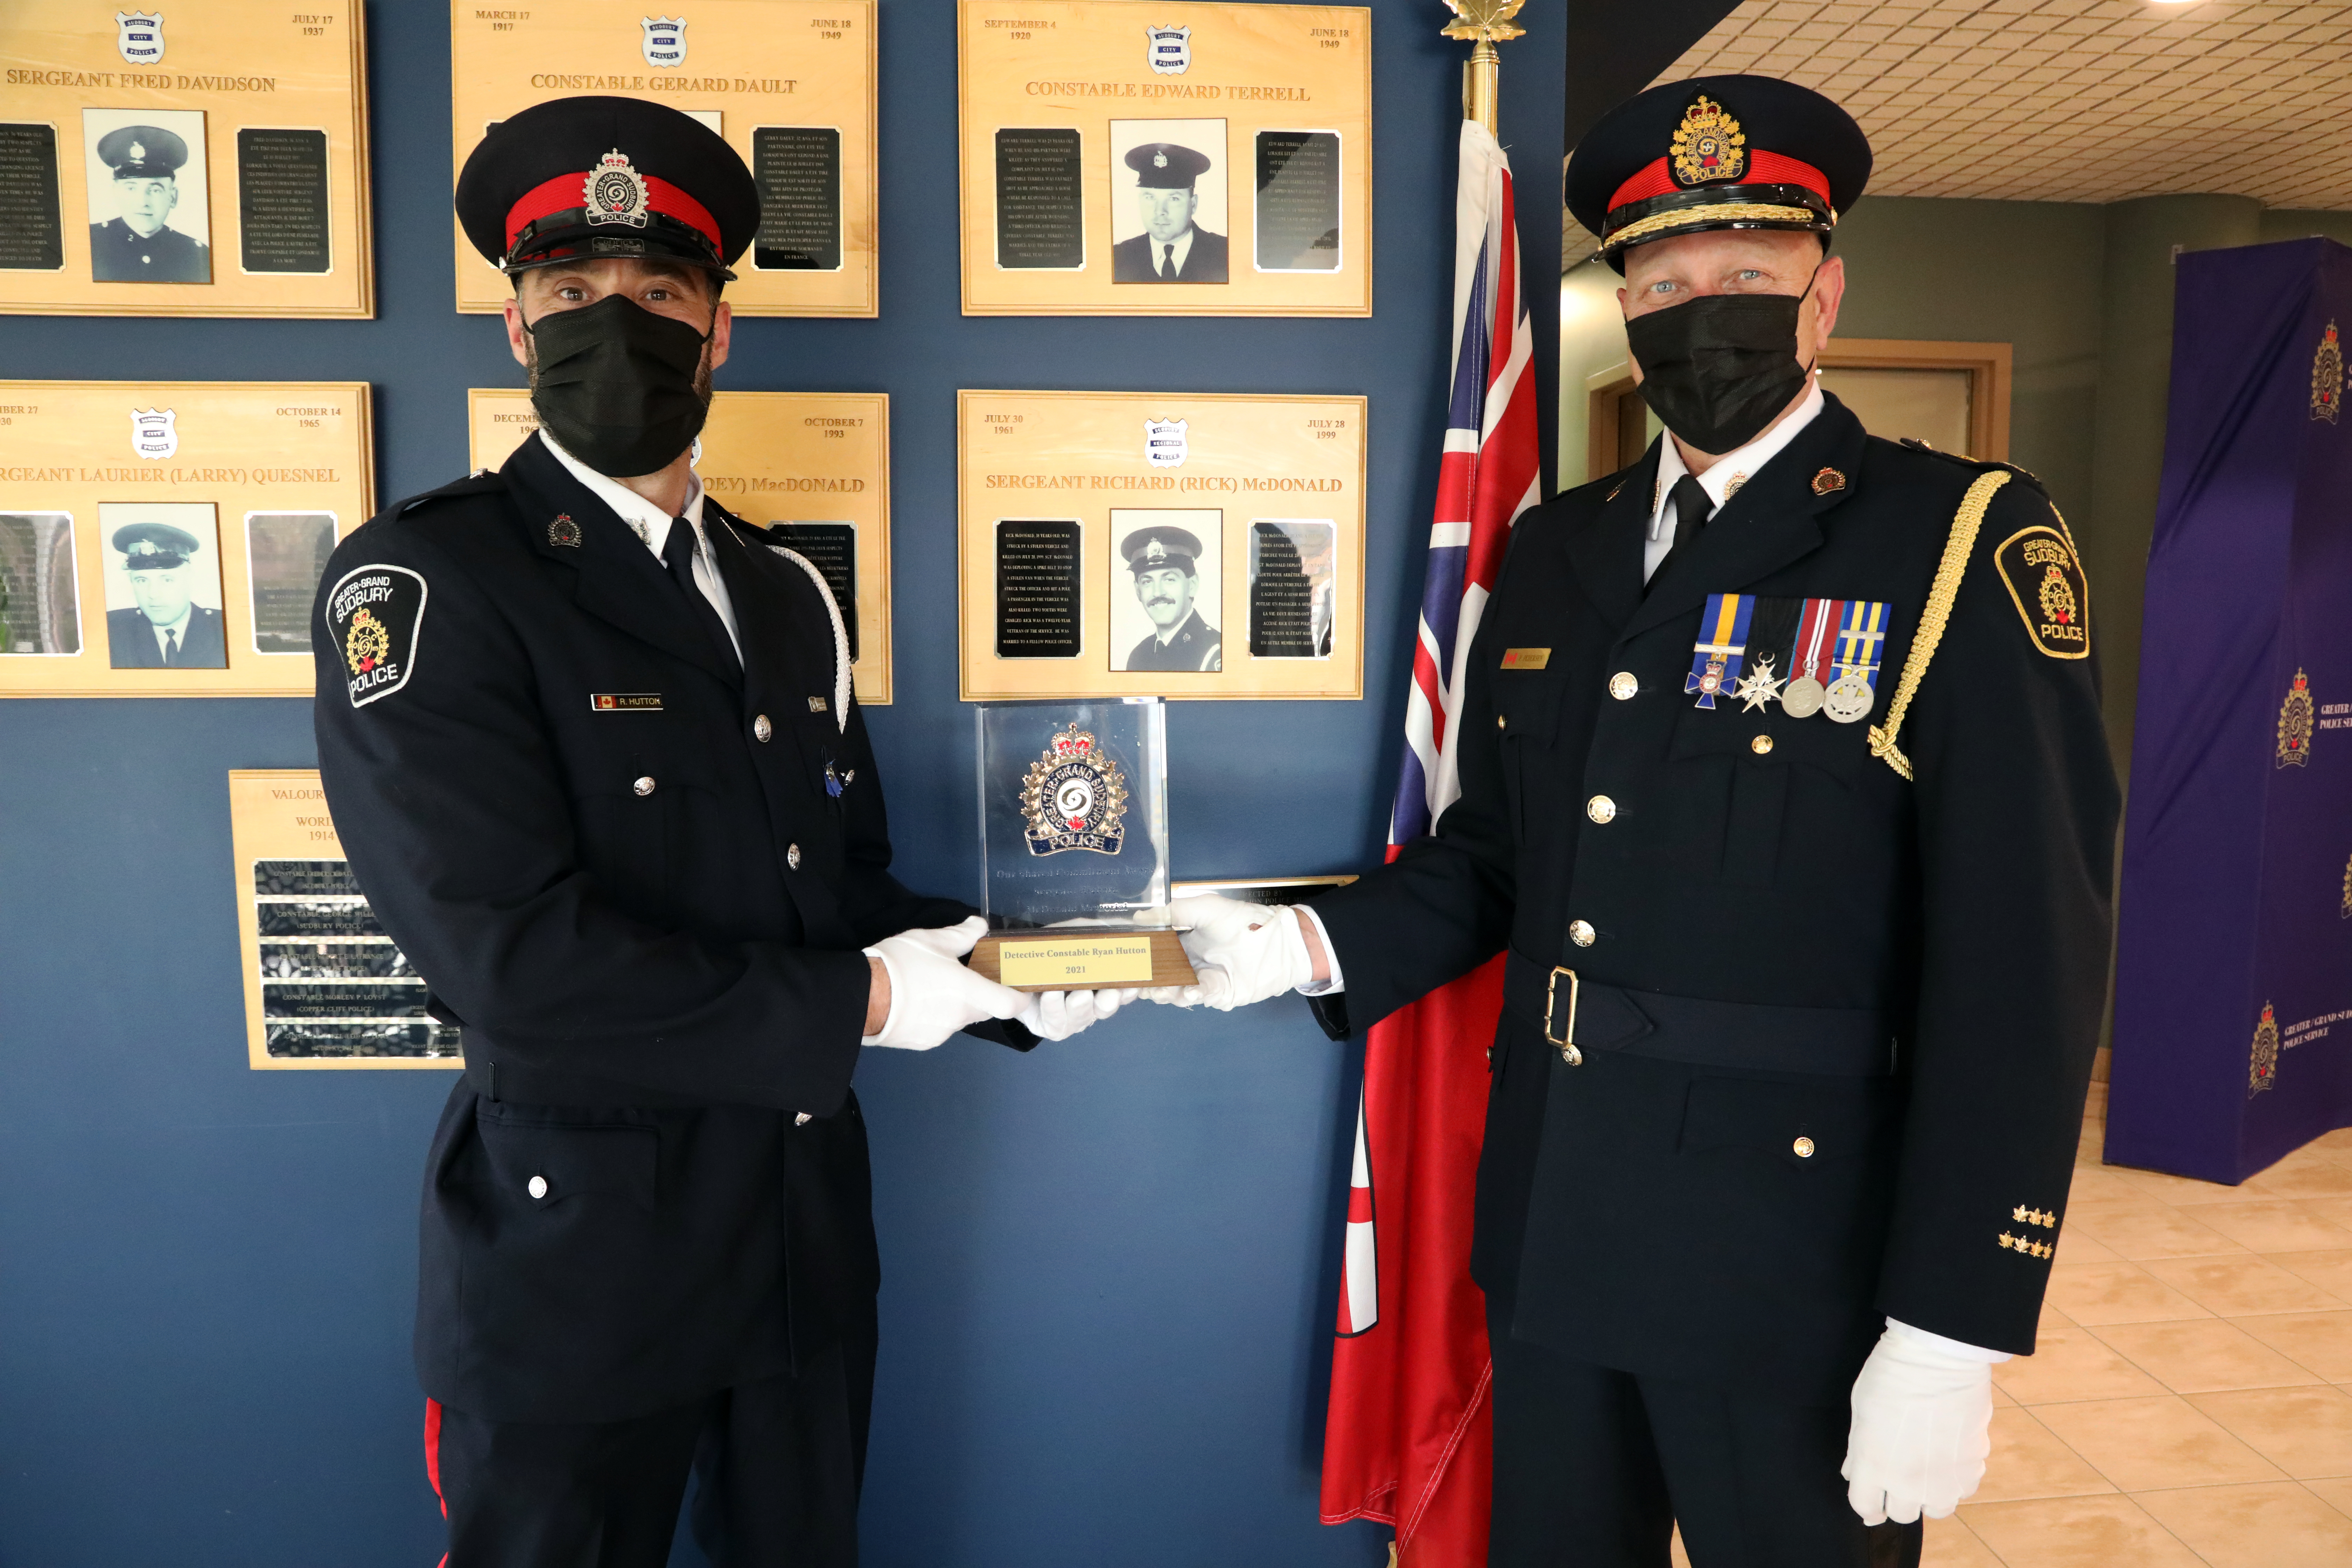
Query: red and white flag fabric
1409	1439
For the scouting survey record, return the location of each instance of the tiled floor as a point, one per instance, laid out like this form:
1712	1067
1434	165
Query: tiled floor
2191	1403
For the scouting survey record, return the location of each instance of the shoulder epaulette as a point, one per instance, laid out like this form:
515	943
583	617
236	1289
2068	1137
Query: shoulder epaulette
754	532
1976	465
481	481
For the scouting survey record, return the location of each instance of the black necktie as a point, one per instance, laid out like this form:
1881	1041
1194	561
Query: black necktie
1168	260
1692	509
677	555
171	648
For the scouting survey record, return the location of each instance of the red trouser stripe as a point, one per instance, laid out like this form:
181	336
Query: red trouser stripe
433	1458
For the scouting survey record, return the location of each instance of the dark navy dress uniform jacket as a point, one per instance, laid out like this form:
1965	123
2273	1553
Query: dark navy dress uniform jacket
1652	1209
648	921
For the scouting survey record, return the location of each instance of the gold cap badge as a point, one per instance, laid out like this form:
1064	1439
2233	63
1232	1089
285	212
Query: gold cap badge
1708	146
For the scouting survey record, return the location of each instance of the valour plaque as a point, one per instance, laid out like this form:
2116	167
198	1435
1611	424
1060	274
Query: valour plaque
1074	846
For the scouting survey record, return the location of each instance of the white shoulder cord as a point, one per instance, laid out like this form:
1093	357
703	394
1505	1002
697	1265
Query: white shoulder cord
840	634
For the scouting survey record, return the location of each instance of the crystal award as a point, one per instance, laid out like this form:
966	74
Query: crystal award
1074	846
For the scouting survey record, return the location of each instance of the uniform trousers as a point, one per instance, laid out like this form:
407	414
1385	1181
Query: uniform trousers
1595	1467
777	1464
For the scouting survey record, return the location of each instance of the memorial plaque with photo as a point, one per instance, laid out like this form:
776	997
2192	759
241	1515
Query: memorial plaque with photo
32	234
213	166
1037	588
1041	203
169	538
789	84
281	196
1162	575
1297	201
786	461
1107	147
324	986
798	170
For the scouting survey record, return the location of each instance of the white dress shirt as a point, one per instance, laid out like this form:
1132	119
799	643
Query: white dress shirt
1724	476
652	525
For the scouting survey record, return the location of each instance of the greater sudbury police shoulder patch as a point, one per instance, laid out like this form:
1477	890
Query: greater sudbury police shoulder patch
2045	581
375	613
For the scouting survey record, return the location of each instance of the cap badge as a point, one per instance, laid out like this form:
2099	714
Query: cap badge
1709	144
615	192
1828	481
1159	160
138	36
1170	50
138	152
2327	377
563	532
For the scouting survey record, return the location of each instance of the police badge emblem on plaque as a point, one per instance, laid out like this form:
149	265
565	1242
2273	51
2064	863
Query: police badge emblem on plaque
1075	798
1170	50
1165	442
665	40
138	36
154	433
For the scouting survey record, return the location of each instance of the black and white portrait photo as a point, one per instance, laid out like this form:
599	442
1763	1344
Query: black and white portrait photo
1164	596
285	554
1168	201
162	585
148	212
40	607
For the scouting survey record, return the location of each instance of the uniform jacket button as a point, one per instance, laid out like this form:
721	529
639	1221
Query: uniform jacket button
793	856
538	1187
1600	808
644	785
1803	1147
1581	933
803	1119
1761	745
1500	721
761	729
1623	685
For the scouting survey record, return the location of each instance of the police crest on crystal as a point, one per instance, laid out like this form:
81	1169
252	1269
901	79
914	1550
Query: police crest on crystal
1709	144
1075	798
615	192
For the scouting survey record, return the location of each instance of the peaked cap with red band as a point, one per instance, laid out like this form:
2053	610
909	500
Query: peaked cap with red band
1717	152
587	178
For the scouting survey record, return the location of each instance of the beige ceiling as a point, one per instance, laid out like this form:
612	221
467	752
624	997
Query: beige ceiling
2069	101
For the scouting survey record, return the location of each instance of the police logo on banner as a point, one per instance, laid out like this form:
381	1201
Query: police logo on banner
2327	377
2295	723
139	37
2045	581
665	40
154	433
1075	798
373	614
1165	442
1169	51
2263	1059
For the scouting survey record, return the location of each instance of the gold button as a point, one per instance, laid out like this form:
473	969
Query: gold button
1804	1148
1622	685
761	729
1500	721
803	1119
1600	808
1581	933
1571	1056
1761	745
793	856
644	785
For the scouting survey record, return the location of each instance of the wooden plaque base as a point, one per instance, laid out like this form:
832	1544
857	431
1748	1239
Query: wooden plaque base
1081	959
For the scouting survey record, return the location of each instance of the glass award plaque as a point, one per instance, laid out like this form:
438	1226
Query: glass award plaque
1074	846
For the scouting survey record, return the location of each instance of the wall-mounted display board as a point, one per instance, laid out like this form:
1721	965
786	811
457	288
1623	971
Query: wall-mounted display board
166	538
789	83
813	467
1141	544
324	986
1124	159
207	158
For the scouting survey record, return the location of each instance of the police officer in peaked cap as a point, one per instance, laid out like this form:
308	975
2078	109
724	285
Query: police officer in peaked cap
1164	564
165	628
1785	792
1171	248
139	245
591	745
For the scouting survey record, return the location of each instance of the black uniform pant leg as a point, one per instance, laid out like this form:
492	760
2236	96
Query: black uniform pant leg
532	1494
780	1462
1755	1482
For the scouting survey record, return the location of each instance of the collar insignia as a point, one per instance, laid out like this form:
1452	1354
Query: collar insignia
1828	481
563	532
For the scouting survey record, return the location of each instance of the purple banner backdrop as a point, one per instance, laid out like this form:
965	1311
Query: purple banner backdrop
2233	971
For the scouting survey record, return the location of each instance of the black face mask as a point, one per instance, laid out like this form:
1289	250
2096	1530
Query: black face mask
1721	367
619	386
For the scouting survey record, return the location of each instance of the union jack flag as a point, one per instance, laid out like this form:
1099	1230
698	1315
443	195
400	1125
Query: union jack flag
1409	1435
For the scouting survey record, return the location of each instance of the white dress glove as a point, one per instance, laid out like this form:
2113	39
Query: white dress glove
1242	952
1058	1014
1922	1426
932	995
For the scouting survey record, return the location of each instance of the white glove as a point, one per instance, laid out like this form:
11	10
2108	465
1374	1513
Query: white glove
1242	952
932	995
1922	1426
1058	1014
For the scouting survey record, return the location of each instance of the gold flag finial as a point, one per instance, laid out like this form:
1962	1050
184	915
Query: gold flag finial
1483	23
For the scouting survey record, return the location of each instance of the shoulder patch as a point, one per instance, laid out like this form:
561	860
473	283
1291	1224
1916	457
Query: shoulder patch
375	613
2045	581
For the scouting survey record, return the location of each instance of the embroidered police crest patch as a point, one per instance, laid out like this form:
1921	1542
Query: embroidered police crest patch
2045	581
373	614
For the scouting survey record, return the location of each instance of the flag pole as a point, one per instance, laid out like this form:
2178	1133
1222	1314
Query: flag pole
1483	23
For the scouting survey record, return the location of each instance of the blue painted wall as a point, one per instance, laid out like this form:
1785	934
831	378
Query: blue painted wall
1110	1267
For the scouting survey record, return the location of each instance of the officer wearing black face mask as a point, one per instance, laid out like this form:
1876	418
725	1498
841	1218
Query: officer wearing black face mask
1786	791
590	742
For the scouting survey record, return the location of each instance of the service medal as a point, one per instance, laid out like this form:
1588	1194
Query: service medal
1862	629
1802	698
1811	668
1848	698
1722	643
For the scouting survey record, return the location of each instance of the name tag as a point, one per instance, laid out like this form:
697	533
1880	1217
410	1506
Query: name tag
1079	961
626	701
1526	657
